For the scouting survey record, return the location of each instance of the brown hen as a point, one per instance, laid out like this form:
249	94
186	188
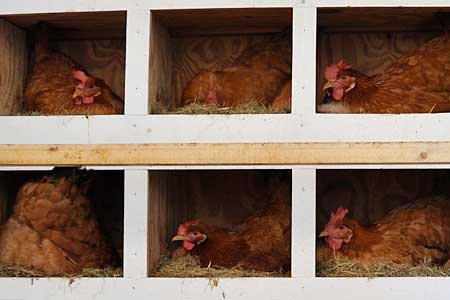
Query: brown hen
258	74
56	85
411	234
53	230
416	83
261	243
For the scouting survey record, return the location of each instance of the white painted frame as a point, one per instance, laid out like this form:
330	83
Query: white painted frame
136	126
303	283
303	124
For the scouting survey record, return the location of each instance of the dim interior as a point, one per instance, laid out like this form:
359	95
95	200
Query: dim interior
224	198
183	42
369	195
94	40
371	39
105	193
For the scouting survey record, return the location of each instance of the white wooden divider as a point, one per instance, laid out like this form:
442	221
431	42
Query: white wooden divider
135	224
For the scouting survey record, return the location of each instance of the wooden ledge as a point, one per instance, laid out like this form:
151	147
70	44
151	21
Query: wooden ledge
226	154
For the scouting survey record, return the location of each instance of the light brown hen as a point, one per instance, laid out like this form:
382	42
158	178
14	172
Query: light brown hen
416	83
412	234
56	85
258	74
53	230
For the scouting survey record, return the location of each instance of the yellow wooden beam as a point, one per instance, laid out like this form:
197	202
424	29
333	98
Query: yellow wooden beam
226	154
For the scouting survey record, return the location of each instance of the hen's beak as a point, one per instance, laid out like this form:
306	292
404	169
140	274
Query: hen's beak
324	234
329	84
78	93
178	238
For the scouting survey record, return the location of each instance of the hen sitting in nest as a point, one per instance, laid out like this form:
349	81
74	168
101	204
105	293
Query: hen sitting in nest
53	229
57	86
262	242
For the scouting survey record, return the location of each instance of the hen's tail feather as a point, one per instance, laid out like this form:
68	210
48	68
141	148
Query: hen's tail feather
41	47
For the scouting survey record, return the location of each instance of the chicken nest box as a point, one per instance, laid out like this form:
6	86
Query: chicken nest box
221	58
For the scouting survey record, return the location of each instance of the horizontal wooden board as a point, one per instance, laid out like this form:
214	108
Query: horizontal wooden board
384	19
226	154
189	22
76	25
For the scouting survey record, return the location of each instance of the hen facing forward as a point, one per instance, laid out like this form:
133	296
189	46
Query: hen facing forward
416	83
262	242
53	230
258	74
412	234
58	86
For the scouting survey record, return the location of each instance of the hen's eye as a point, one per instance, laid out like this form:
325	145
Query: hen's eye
344	77
341	227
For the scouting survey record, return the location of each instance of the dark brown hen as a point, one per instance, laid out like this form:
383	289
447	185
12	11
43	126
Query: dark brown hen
261	243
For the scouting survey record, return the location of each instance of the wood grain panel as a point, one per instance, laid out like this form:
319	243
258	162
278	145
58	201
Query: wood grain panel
13	67
369	53
227	154
104	59
387	19
189	22
161	62
76	25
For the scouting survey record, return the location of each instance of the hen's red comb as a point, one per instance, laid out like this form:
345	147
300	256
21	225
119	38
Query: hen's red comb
183	227
338	216
332	71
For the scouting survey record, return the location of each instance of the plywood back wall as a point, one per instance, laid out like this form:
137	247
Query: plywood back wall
160	84
225	198
13	67
370	194
369	53
104	59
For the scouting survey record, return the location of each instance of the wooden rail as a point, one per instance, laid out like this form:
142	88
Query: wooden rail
226	154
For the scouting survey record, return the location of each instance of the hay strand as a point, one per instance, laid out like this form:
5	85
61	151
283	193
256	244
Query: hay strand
195	108
189	266
6	271
346	268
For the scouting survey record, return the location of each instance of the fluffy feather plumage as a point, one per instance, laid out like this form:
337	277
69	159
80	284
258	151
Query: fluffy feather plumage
412	234
416	83
261	243
53	229
52	83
